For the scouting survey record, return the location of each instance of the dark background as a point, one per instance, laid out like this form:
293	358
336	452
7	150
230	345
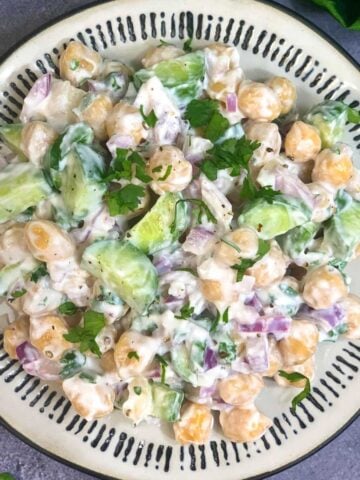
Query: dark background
337	461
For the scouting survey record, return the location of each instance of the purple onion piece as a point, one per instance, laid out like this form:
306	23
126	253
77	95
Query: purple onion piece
210	359
291	185
254	302
231	102
327	318
27	353
197	240
278	325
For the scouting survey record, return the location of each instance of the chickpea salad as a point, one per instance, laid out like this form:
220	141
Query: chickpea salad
174	235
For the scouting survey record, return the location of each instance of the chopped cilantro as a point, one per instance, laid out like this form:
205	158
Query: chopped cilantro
187	45
166	174
205	113
94	322
74	64
87	377
67	308
250	192
224	317
41	271
137	390
227	351
353	115
163	43
18	293
185	312
246	263
124	200
295	377
125	165
149	119
216	127
133	354
163	365
203	209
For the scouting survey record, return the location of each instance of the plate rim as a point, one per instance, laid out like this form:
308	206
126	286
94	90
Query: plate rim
25	39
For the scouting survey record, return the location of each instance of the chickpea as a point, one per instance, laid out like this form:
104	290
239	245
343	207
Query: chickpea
95	113
269	137
353	185
195	424
286	92
36	138
240	389
333	166
241	243
169	170
258	102
212	290
107	362
221	59
324	206
158	54
90	400
78	62
40	298
46	334
13	247
243	424
302	142
270	269
300	344
47	241
229	82
15	334
352	316
323	287
275	359
133	353
307	368
126	120
139	403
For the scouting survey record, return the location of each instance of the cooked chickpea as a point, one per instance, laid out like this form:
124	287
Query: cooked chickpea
126	120
333	166
95	114
13	247
139	403
169	170
271	268
47	241
240	389
286	92
323	287
275	359
306	368
219	87
15	334
268	135
220	59
78	62
300	344
133	353
212	290
36	138
107	362
258	102
243	424
352	316
46	334
241	243
158	54
302	142
90	400
195	424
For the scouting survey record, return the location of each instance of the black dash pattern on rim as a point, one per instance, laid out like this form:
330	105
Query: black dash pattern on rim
41	396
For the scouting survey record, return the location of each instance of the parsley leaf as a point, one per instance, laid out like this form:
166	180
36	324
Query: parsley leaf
125	200
133	354
163	365
205	113
187	45
41	271
224	317
216	127
18	293
203	209
227	351
295	377
67	308
353	115
185	312
250	192
94	322
149	119
246	263
166	174
137	390
74	64
163	43
127	164
87	377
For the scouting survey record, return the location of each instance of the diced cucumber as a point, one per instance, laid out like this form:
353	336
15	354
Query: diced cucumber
181	361
298	239
166	402
11	135
12	273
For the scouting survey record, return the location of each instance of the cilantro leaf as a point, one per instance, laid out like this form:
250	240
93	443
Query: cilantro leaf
250	192
199	112
149	119
94	322
137	390
216	127
246	263
185	312
353	115
187	45
295	377
87	377
227	351
18	293
224	317
125	200
125	165
203	209
133	354
163	365
41	271
166	174
67	308
163	43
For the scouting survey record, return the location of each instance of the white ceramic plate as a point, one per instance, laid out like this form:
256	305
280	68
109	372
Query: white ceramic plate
270	42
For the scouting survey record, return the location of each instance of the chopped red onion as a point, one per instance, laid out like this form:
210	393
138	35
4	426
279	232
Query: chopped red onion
291	185
27	353
210	359
254	302
278	325
119	141
327	318
231	102
36	365
198	241
37	94
257	353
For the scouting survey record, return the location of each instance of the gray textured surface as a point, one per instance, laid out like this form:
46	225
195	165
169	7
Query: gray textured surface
338	460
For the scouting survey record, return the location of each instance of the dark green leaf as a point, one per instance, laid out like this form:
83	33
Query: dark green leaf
353	115
166	174
199	112
163	365
187	45
67	308
133	354
264	247
94	322
87	377
215	323
250	192
127	164
41	271
203	209
225	317
18	293
185	312
149	119
227	351
346	12
74	64
295	377
163	43
137	390
72	362
216	127
125	200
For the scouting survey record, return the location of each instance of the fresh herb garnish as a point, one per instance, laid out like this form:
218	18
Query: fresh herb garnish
296	377
246	263
205	113
227	351
149	119
137	390
67	308
87	377
185	312
187	45
41	271
166	174
18	293
163	43
125	165
250	192
224	317
163	365
94	322
353	115
133	354
124	200
346	12
74	64
203	209
72	362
